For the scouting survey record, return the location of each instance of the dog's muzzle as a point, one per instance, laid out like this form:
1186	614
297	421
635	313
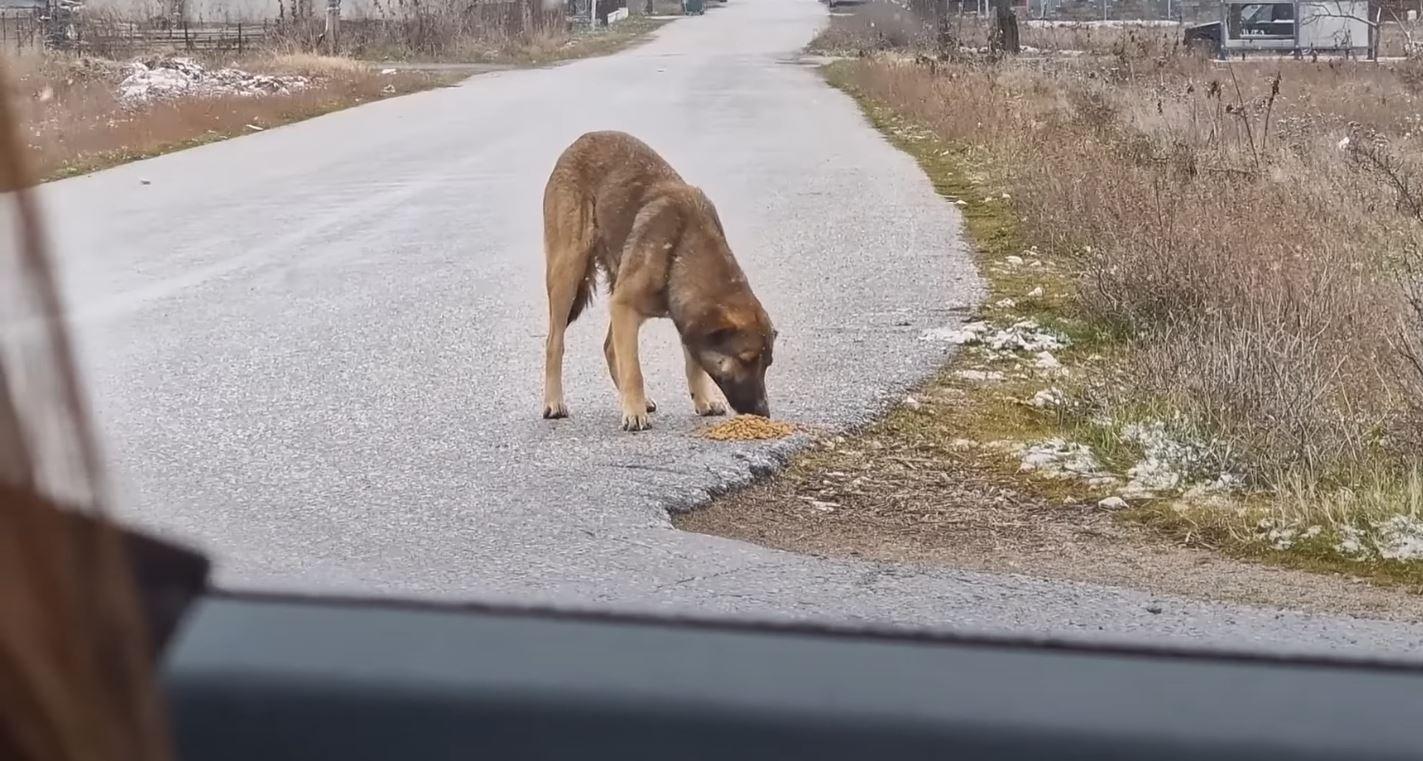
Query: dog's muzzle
746	398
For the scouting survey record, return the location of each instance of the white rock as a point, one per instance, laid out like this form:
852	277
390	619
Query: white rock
1005	303
979	376
912	403
1036	293
1113	503
1014	261
1046	361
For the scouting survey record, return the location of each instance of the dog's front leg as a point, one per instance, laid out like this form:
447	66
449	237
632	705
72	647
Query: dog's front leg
704	399
625	323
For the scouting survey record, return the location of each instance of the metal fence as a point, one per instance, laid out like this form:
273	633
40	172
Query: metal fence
117	38
21	30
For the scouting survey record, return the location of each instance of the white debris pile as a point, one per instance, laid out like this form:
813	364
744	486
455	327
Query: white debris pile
1059	458
1171	462
160	78
1024	335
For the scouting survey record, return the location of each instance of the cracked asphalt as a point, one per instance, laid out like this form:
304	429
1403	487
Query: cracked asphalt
315	351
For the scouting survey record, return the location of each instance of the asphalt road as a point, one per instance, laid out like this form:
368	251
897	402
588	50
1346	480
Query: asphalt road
316	350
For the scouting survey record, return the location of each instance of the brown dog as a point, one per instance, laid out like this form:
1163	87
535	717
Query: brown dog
612	204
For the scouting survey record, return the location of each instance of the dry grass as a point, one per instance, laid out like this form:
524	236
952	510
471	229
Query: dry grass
1225	261
1216	222
72	121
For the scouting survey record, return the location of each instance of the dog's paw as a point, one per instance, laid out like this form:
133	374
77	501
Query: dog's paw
555	410
651	406
635	421
708	408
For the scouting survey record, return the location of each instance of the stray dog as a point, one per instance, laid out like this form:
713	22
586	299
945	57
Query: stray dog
613	204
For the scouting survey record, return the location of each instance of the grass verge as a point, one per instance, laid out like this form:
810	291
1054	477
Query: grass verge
75	122
953	475
1255	526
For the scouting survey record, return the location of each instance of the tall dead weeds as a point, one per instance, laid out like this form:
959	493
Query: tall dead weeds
1228	220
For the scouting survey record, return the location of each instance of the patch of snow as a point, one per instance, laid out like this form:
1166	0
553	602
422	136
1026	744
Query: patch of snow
1281	538
1170	461
1351	543
1048	398
1400	538
980	376
1059	458
968	334
1024	335
1046	361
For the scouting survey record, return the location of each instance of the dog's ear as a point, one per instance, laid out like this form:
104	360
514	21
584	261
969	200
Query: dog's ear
713	326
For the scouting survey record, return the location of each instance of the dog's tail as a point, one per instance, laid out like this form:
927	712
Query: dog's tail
585	289
570	239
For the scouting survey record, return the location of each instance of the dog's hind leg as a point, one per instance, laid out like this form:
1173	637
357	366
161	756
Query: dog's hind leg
569	240
611	356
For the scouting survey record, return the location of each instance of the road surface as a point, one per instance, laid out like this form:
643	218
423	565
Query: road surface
316	350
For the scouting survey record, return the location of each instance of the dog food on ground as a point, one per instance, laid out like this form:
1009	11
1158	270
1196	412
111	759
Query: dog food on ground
748	428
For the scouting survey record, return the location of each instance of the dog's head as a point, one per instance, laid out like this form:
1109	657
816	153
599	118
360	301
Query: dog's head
735	346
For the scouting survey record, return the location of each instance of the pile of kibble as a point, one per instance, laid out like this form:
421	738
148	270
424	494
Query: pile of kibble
748	428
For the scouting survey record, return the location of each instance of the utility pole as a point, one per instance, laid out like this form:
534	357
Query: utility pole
333	27
1004	37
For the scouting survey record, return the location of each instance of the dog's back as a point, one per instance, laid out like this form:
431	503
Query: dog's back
604	178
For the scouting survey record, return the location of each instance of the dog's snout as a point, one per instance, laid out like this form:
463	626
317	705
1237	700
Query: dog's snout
747	398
